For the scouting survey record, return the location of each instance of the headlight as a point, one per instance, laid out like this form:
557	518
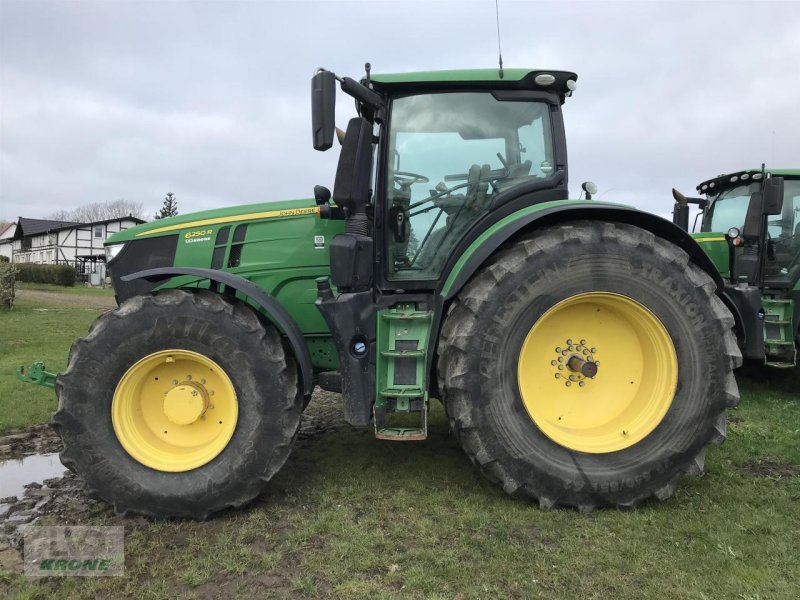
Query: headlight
733	233
545	79
112	251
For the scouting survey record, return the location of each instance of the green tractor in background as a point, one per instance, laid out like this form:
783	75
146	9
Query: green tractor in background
751	231
582	349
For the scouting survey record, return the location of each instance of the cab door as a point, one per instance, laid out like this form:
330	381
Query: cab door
782	261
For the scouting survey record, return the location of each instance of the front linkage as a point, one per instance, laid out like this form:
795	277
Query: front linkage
37	375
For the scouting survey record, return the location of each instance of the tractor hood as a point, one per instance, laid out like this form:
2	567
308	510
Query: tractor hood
216	217
282	247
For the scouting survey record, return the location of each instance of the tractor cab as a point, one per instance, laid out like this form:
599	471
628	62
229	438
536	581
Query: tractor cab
750	229
729	203
449	149
433	161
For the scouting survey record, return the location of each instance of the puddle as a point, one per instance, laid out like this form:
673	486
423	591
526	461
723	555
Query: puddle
16	473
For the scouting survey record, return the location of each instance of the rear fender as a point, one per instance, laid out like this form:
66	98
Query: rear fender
549	214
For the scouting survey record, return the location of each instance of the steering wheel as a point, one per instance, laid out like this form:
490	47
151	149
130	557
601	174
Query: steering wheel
405	179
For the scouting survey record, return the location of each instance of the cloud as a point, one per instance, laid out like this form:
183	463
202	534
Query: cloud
102	100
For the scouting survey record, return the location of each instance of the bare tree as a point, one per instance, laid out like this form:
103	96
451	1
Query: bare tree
100	211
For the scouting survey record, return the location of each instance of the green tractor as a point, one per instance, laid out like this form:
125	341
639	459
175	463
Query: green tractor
581	349
751	231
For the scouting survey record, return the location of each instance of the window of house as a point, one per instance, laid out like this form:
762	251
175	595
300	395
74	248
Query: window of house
98	231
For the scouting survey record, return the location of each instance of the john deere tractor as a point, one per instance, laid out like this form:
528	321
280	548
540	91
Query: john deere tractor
751	231
581	349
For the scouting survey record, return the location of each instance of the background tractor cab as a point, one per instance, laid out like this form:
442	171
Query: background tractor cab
750	228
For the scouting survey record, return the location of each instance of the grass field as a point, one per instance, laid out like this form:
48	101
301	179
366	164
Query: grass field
352	517
41	327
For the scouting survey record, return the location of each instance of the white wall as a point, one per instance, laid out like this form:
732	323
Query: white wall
64	246
6	247
6	243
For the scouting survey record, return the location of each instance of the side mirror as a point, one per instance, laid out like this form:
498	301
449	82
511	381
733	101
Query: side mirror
323	109
773	196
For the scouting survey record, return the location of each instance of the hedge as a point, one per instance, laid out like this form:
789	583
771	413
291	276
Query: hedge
57	274
7	272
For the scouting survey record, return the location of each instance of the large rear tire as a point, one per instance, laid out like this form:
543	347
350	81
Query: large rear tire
178	405
543	424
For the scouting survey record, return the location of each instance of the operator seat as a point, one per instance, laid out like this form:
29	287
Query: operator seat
477	187
460	216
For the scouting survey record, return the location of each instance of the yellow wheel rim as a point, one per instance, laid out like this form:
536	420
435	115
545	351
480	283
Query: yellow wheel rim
174	410
597	372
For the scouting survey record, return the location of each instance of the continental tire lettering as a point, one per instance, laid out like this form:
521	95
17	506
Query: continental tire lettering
681	298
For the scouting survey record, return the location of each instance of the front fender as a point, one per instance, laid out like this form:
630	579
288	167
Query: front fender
274	310
548	214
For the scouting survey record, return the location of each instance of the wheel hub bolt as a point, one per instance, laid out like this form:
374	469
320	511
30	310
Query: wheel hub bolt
587	368
578	357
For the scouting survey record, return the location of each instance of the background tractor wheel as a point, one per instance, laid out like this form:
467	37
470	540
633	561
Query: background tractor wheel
588	364
178	405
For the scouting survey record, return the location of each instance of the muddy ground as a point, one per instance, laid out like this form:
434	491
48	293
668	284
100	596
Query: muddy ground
61	500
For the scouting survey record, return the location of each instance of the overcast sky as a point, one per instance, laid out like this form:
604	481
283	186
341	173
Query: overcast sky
210	99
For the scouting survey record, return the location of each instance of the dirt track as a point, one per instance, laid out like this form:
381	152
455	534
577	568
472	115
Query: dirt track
48	298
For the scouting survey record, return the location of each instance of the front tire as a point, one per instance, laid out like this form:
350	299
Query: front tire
178	405
631	305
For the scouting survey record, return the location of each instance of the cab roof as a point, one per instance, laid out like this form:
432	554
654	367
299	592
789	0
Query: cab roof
514	79
738	177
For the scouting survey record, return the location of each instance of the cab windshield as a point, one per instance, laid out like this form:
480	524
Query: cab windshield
450	154
729	208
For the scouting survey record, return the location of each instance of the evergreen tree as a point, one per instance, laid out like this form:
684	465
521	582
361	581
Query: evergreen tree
170	207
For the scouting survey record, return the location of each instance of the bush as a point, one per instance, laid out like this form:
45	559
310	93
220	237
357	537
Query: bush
3	258
57	274
7	273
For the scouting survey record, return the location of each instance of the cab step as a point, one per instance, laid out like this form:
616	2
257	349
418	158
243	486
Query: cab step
402	378
779	344
400	434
